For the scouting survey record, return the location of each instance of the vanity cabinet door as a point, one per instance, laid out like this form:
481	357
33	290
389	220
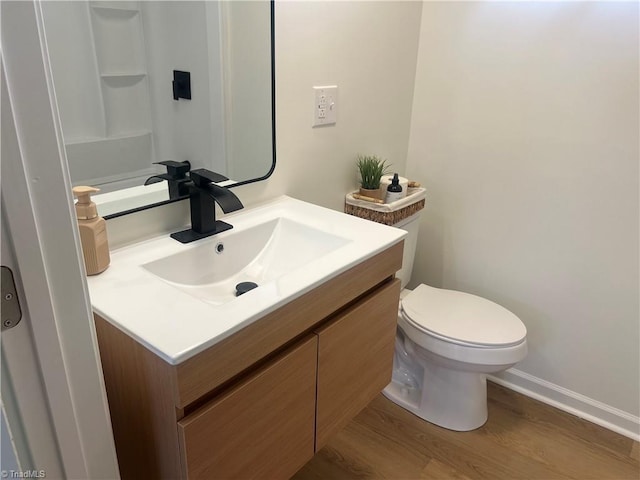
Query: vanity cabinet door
261	428
355	359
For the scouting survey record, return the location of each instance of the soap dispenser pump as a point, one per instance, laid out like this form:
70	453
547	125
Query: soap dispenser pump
394	190
93	231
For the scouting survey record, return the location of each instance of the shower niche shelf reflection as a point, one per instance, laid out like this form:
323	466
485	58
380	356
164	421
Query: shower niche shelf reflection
120	55
119	41
107	135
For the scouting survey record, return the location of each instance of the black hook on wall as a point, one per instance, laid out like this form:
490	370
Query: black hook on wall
181	85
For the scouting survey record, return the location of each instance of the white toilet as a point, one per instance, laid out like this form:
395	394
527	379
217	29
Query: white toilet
446	344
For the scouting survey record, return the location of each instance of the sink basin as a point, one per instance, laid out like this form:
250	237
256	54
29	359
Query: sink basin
260	254
179	299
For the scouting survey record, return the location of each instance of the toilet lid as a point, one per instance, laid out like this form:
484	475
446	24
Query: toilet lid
462	317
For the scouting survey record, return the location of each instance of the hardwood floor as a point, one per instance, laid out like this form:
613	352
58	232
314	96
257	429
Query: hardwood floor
523	439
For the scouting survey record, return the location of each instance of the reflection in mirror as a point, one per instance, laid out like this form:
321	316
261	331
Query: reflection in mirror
123	108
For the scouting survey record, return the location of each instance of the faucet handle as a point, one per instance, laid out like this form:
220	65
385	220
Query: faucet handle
202	177
177	170
158	178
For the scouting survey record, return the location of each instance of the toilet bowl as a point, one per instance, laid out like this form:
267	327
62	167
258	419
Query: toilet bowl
447	342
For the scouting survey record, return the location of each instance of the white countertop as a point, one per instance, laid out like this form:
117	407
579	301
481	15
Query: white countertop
176	325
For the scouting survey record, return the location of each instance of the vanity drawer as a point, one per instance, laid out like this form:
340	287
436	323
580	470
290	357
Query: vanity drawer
355	359
261	428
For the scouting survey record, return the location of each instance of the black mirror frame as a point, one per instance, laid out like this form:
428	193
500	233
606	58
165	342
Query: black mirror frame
273	133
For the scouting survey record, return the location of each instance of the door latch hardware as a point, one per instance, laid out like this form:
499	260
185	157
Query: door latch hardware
11	313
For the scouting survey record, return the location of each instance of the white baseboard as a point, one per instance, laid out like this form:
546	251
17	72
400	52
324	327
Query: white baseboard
571	402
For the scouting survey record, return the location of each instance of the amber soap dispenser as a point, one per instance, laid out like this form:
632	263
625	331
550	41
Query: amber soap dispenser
93	231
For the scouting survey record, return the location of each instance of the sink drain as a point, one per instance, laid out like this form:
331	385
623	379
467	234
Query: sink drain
244	287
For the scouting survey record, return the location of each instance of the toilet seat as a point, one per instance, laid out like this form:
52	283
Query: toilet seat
461	318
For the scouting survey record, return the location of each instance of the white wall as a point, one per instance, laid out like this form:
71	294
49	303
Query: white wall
177	38
525	132
369	50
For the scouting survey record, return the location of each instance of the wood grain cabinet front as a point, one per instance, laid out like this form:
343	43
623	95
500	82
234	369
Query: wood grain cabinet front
355	359
262	428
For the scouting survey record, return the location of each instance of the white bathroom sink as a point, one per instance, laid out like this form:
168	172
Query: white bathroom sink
179	299
259	254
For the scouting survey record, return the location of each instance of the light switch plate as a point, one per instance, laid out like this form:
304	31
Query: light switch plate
325	105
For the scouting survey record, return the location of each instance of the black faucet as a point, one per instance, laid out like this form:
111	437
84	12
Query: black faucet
203	196
176	177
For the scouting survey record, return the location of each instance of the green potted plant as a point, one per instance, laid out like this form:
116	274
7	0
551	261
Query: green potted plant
371	168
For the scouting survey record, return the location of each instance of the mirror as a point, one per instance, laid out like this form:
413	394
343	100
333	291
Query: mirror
141	82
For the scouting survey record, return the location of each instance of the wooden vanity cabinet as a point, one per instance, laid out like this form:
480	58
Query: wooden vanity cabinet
260	403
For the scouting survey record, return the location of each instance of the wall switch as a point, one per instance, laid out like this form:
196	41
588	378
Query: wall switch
325	105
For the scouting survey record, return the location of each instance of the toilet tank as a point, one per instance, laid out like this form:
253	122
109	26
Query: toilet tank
411	225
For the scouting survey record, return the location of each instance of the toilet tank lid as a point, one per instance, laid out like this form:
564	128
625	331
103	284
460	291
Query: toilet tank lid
463	317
